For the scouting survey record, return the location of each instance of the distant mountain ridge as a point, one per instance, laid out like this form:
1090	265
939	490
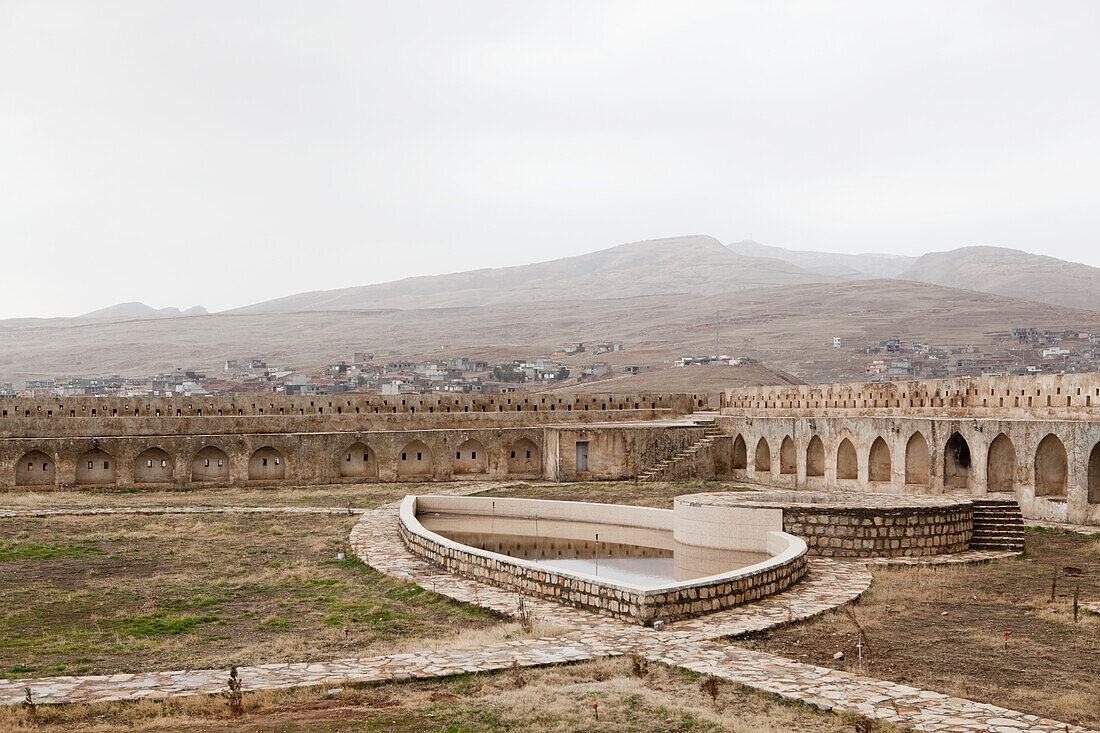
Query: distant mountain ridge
697	265
689	266
135	309
998	270
1010	272
867	266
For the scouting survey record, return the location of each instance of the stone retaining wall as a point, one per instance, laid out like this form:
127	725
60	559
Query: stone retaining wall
861	525
908	532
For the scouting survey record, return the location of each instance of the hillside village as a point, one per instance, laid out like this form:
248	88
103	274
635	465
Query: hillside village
1019	351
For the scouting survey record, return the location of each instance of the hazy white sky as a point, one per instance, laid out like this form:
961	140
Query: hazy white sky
221	153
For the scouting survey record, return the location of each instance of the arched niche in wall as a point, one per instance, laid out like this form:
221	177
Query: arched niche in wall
788	457
1051	467
762	457
956	462
740	454
815	457
153	466
266	464
1000	465
847	462
358	461
210	464
917	462
35	468
879	466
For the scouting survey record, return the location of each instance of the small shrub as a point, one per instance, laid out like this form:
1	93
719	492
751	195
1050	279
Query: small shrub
709	687
639	665
234	696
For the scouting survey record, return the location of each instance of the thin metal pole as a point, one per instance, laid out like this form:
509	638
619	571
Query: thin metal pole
596	572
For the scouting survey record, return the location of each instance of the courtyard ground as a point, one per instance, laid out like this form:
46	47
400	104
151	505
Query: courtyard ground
107	593
606	695
657	494
943	628
357	496
104	593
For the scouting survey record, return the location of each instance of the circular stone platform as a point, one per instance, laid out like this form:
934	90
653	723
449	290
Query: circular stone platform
859	525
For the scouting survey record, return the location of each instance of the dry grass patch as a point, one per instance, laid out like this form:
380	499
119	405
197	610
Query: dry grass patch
358	496
658	494
943	628
105	593
556	699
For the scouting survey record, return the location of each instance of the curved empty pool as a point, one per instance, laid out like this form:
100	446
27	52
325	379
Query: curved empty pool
636	563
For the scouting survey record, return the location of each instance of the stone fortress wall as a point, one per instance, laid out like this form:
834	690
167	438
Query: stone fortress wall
1037	438
211	441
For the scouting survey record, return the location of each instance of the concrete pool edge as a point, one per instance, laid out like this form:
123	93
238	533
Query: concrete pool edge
636	604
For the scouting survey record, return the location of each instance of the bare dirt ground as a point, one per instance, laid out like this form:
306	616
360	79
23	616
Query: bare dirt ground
606	695
944	629
357	496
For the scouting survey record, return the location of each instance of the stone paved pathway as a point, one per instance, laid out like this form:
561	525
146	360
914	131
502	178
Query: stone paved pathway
395	667
692	644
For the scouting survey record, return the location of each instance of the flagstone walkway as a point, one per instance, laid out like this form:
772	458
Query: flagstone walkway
693	644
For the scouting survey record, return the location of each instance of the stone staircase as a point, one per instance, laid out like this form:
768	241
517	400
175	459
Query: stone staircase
710	432
998	525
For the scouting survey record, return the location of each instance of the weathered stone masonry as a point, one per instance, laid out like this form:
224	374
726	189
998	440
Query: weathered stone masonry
1037	438
219	441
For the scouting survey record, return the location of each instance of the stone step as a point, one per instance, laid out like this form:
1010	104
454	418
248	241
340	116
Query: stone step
998	524
996	538
709	434
1010	547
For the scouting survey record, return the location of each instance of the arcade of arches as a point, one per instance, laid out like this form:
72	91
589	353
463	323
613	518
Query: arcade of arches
1037	467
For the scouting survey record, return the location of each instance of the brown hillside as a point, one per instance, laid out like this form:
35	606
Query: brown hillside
1011	273
699	265
788	328
709	379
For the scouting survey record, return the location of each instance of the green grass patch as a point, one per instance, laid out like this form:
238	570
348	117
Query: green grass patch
163	625
31	551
